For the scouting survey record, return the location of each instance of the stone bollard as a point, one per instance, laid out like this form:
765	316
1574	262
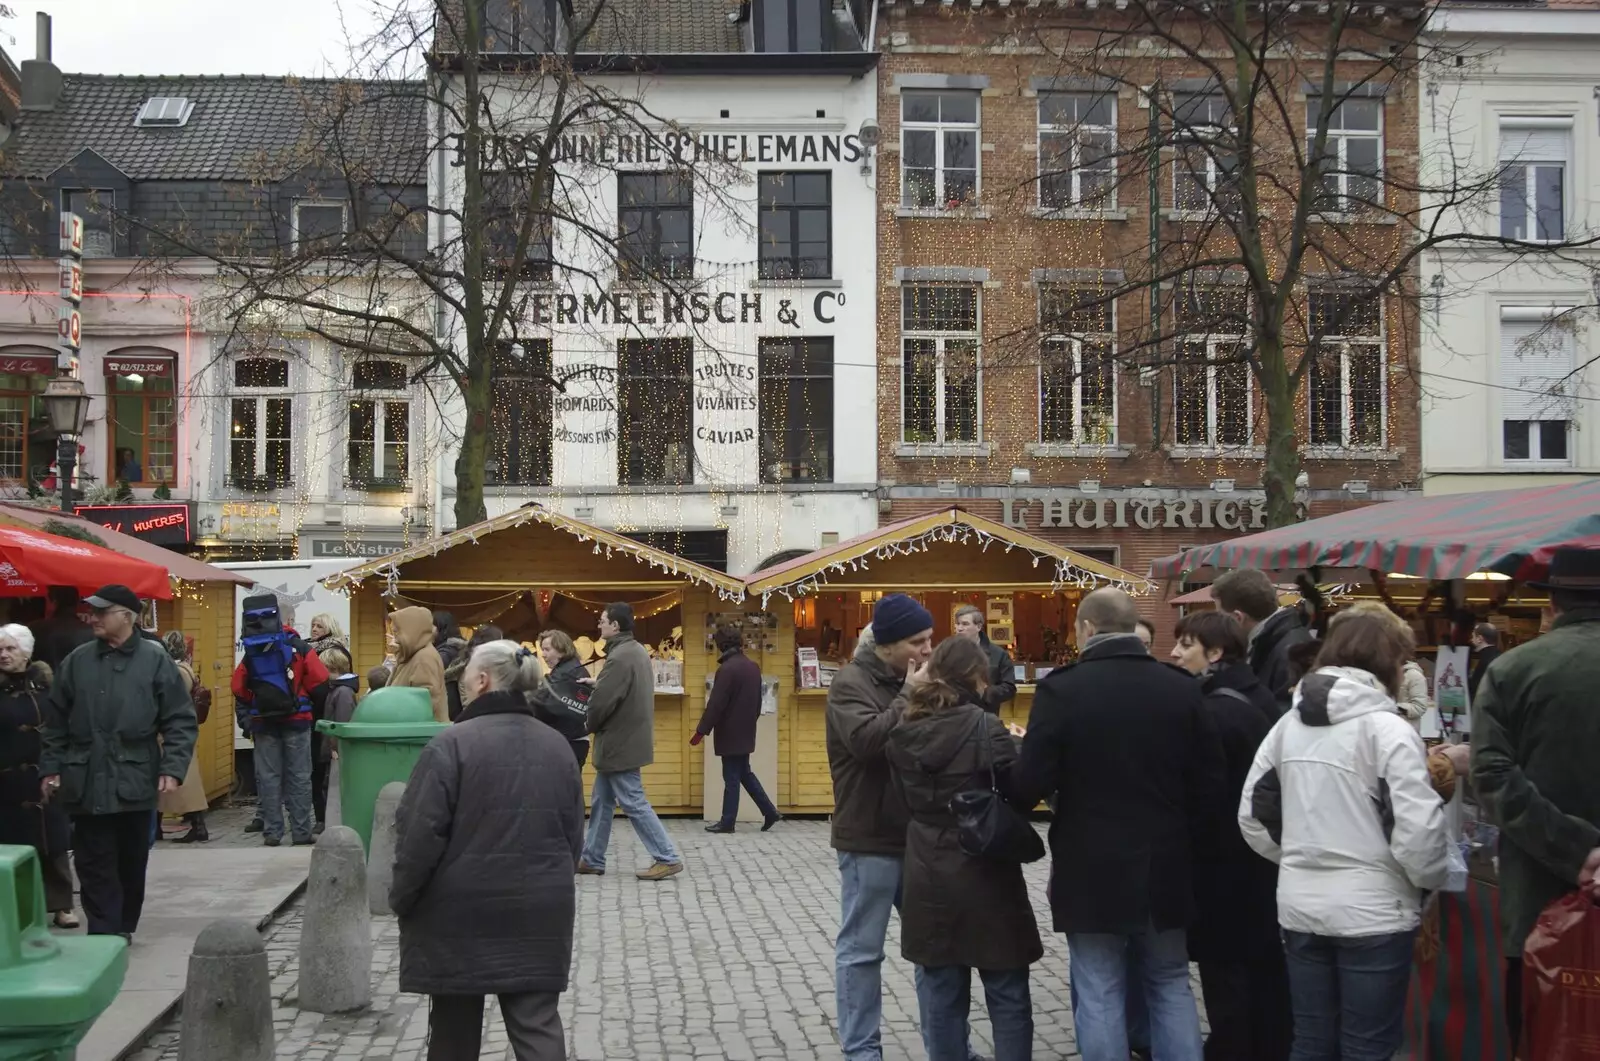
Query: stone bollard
227	1001
380	864
336	933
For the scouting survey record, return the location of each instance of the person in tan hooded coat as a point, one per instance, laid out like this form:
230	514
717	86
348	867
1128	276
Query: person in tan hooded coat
417	662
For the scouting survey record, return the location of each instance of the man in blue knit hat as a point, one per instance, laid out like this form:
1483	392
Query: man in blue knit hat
869	816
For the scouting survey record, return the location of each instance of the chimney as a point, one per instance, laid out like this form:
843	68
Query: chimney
41	78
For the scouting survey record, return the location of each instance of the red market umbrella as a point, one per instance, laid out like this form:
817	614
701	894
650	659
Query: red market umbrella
1509	532
32	560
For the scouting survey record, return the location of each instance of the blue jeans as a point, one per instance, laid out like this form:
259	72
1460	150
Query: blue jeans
1138	1016
283	775
944	997
736	771
1349	994
625	787
1100	974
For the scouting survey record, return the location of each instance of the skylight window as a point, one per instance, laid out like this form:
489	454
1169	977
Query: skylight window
164	111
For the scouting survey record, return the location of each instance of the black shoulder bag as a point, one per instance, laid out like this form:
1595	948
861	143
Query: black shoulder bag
987	826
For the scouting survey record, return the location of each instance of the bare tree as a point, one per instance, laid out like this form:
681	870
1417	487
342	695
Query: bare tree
1288	213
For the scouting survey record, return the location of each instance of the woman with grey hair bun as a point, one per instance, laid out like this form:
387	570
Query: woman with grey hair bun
474	922
26	817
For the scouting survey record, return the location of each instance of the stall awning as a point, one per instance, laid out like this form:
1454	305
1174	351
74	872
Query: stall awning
179	566
808	573
388	567
1509	532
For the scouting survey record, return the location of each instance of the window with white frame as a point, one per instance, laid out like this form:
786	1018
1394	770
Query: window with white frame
1534	153
1537	368
380	424
1352	154
1077	371
941	388
1077	149
938	149
1205	162
1346	378
319	224
261	437
1211	395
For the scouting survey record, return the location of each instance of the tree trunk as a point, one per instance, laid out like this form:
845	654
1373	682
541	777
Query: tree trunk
478	396
1282	466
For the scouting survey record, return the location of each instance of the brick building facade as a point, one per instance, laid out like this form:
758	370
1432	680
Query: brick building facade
1093	454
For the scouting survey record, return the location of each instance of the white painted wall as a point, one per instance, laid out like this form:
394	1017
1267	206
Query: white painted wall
1534	62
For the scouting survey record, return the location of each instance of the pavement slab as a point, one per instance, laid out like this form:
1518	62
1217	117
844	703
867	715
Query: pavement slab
732	959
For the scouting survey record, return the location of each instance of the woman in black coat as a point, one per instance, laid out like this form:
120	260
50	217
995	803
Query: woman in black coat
1235	937
25	817
960	913
486	850
562	700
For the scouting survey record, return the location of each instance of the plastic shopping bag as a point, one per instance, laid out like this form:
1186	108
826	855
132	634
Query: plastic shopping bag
1561	983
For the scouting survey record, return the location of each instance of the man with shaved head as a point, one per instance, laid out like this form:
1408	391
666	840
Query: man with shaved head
1120	739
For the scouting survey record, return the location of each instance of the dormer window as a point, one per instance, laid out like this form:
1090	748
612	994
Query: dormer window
164	112
793	25
519	26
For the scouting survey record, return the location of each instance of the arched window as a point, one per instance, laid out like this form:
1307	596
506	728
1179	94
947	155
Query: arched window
27	445
380	425
142	405
261	435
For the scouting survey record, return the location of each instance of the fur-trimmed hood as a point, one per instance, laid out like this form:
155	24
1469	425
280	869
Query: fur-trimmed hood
38	675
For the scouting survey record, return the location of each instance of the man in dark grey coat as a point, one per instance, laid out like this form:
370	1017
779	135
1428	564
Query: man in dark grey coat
733	713
488	837
119	730
622	717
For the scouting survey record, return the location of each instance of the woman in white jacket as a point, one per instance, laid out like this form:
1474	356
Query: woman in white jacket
1339	797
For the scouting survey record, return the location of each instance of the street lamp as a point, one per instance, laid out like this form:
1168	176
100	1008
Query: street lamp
66	406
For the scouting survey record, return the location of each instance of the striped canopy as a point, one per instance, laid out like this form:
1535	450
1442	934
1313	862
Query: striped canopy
1510	532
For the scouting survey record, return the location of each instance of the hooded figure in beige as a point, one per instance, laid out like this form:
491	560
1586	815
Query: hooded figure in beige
417	662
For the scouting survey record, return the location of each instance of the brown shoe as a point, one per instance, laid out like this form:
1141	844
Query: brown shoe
661	871
586	870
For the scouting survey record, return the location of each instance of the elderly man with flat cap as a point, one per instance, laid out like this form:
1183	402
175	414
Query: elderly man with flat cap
119	730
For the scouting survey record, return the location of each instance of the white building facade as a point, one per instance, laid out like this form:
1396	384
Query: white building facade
1509	336
718	361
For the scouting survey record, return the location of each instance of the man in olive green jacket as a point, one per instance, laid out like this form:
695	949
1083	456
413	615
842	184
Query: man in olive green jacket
622	717
1535	743
119	730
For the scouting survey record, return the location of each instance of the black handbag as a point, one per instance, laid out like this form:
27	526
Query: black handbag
986	825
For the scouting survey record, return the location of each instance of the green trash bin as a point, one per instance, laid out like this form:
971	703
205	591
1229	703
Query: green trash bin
381	743
52	988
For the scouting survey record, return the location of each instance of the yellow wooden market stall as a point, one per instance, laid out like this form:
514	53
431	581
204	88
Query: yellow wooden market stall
1028	589
533	569
202	606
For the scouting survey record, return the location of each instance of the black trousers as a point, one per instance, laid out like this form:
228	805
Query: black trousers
320	769
110	853
580	749
1248	1006
533	1024
736	772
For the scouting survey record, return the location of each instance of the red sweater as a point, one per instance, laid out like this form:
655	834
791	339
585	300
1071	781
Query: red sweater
308	672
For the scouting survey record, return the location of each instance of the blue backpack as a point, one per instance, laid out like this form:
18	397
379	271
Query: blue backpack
268	660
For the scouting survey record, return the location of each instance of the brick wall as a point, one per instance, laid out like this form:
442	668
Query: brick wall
1001	44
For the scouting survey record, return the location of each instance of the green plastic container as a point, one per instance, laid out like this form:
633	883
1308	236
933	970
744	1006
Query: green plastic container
381	743
52	988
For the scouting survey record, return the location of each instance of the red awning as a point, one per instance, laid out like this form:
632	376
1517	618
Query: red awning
1510	532
32	560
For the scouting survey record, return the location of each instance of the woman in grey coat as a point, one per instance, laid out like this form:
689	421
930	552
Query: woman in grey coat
489	835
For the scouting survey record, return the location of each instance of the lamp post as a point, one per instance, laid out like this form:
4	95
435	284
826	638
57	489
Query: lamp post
66	405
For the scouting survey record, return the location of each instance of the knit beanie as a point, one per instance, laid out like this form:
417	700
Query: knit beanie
897	617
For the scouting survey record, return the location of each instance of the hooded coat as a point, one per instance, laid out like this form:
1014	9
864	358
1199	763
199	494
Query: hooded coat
957	909
417	662
488	838
1339	797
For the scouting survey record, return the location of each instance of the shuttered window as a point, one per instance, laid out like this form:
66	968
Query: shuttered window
1536	384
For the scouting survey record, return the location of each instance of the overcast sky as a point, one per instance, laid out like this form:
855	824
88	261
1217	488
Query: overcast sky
301	37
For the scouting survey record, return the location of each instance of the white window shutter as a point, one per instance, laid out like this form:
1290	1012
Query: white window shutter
1520	144
1536	361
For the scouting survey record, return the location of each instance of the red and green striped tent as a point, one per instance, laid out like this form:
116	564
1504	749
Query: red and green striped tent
1510	532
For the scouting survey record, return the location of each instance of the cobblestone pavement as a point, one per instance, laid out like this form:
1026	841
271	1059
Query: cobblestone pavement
731	959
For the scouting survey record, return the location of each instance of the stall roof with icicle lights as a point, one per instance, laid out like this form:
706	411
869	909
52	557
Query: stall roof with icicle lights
846	561
605	543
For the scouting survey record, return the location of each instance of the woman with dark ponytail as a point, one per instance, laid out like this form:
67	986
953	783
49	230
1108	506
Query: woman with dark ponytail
960	912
